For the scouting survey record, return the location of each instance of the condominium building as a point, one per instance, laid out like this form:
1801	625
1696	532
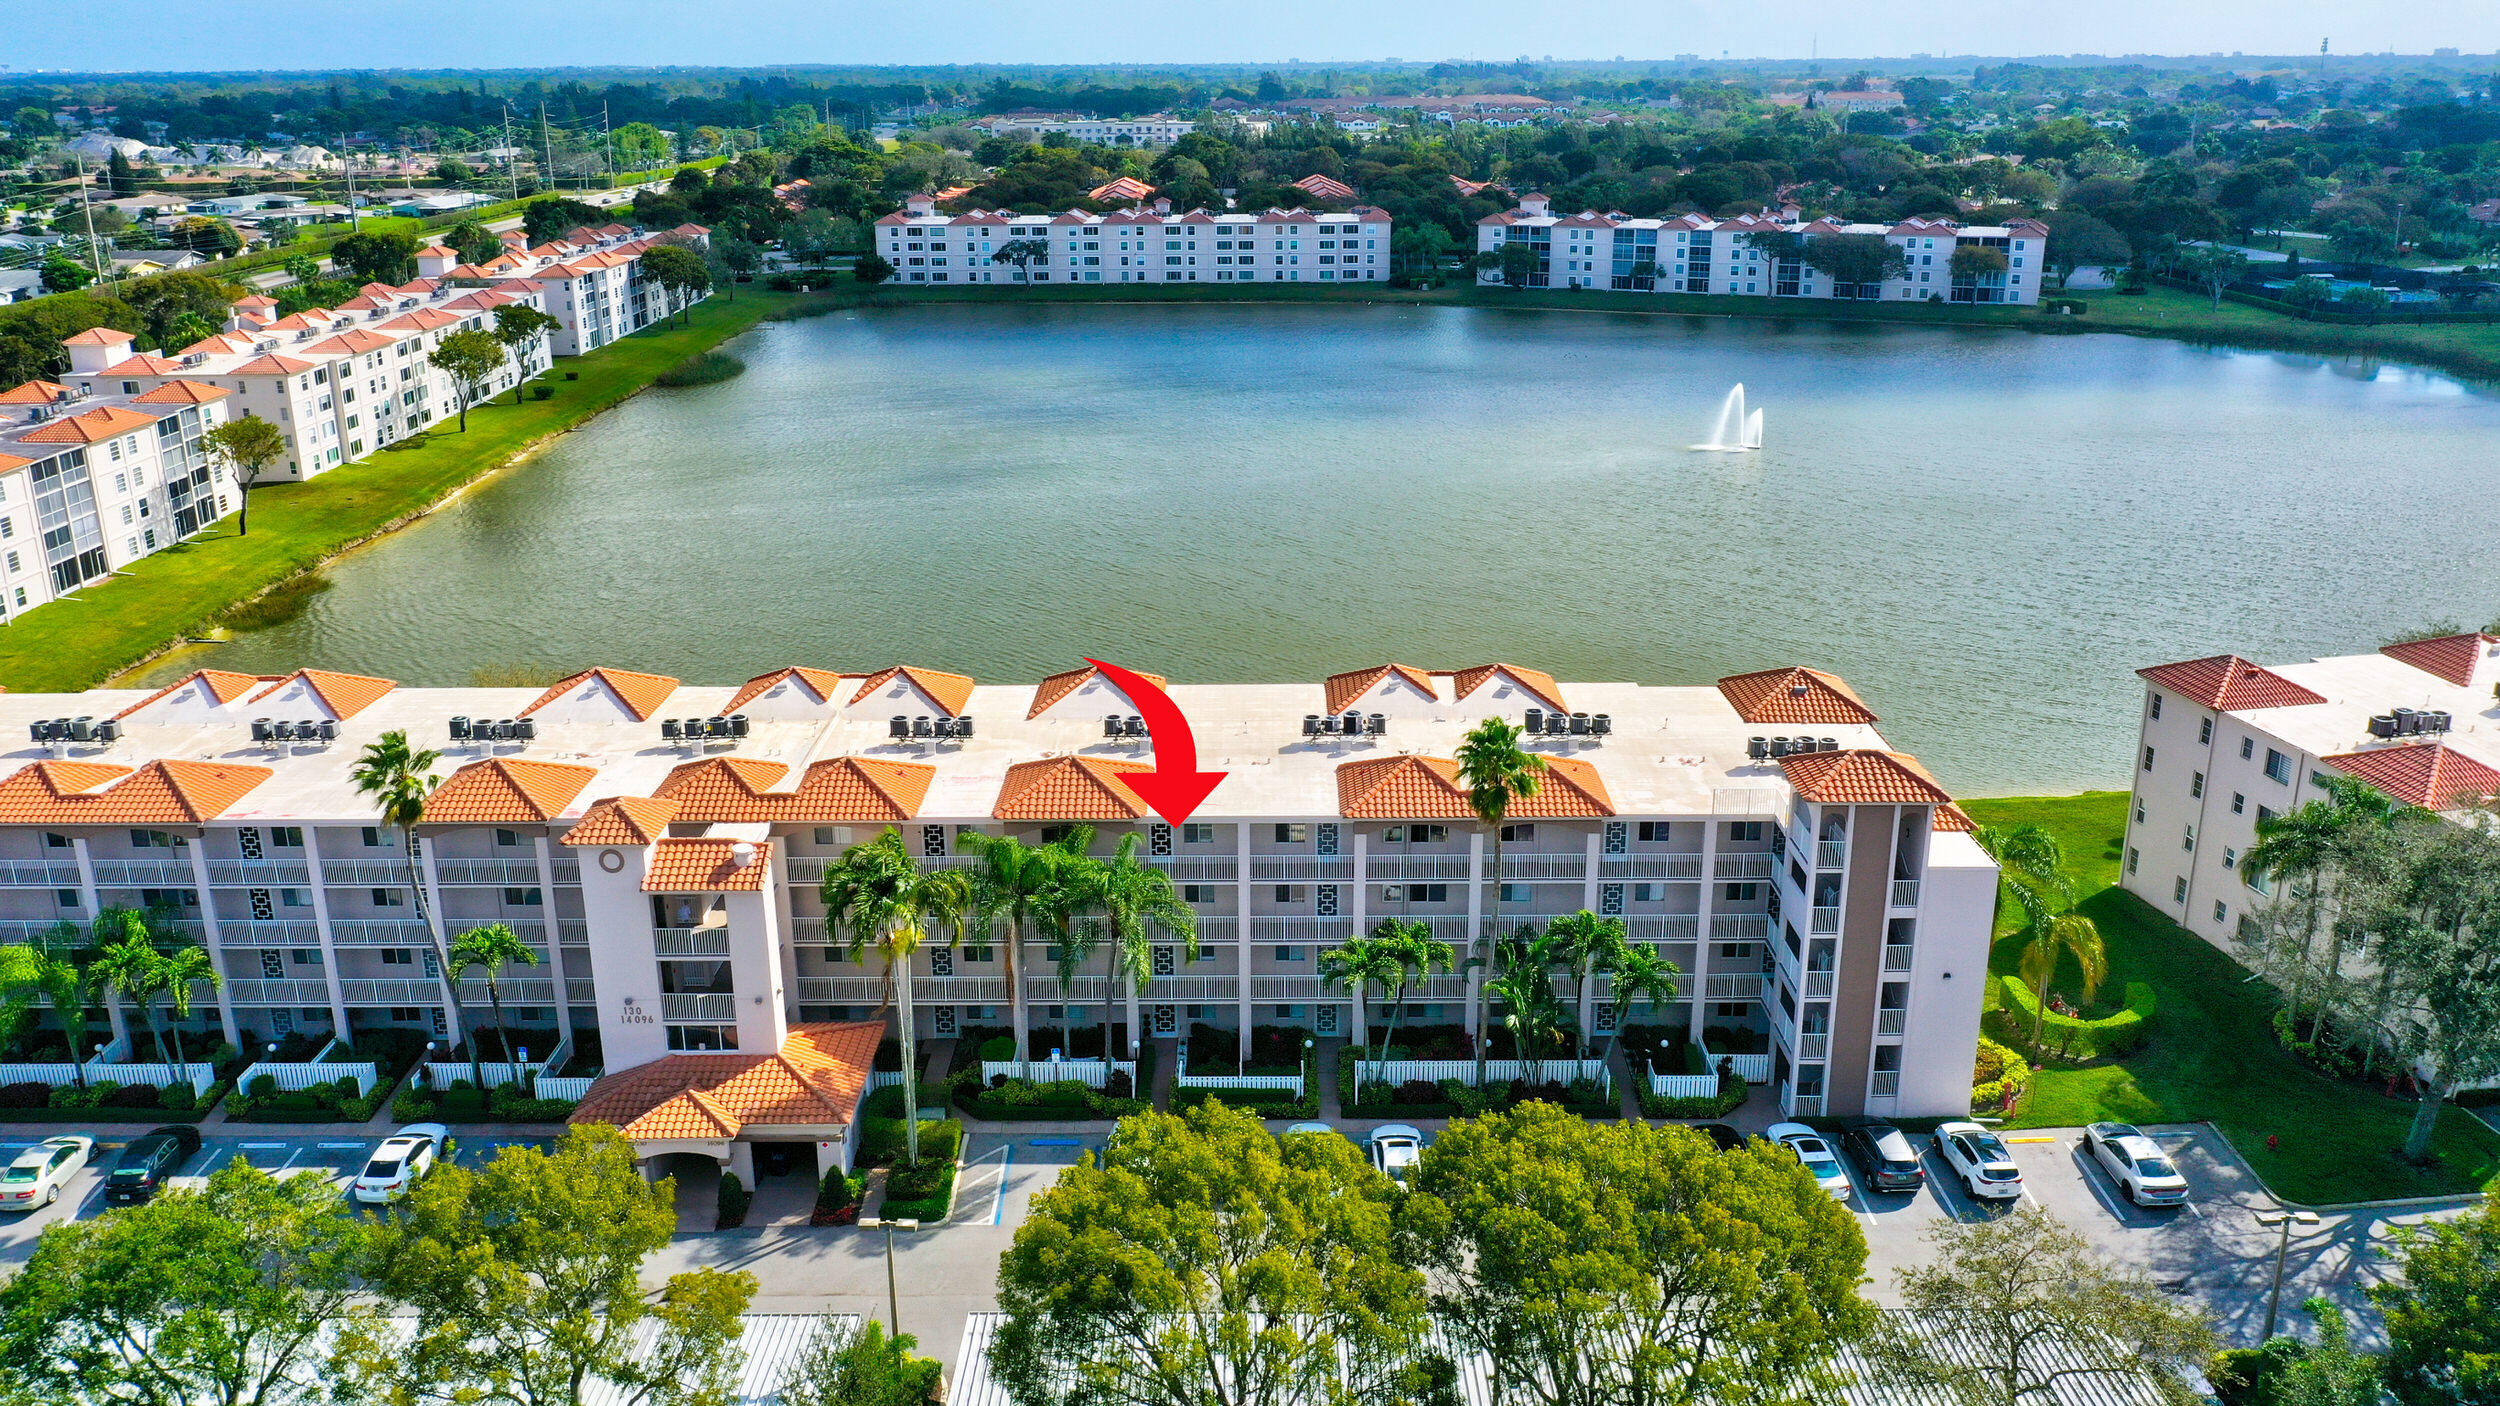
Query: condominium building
660	846
591	280
1149	245
91	481
2226	745
1152	129
1698	254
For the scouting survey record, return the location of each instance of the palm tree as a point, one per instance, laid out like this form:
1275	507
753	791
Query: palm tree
50	970
183	968
2309	846
1638	970
2062	934
135	971
1586	942
399	777
1418	954
1135	898
1495	771
1023	884
1356	964
1531	1011
879	893
490	948
2031	865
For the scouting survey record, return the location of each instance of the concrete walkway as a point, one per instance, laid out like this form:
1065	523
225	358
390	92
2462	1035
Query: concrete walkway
1331	1108
1167	1067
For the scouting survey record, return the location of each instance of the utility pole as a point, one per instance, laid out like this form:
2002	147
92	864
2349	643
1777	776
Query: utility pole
607	145
355	222
548	142
511	164
95	251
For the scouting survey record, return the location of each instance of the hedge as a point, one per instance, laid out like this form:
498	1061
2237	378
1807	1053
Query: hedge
1998	1078
1731	1096
2123	1032
931	1201
734	1200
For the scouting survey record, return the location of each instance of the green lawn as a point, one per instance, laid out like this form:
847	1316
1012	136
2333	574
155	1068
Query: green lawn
181	591
2213	1055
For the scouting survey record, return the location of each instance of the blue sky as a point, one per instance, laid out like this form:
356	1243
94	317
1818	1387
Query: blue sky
297	34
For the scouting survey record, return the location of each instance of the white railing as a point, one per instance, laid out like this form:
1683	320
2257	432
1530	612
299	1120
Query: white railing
720	1005
1663	927
1752	1068
1650	866
1544	866
37	874
1891	1022
1830	854
124	873
1897	957
1813	1044
440	1073
1092	1073
259	873
883	1079
1807	1106
1826	918
691	942
1292	1082
1406	868
59	1076
1885	1084
292	1076
1742	866
1280	868
1819	984
199	1076
1740	925
571	1088
1204	870
517	872
1734	986
1905	893
1497	1071
1684	1085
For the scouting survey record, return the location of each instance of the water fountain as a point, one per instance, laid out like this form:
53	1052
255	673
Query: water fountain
1736	429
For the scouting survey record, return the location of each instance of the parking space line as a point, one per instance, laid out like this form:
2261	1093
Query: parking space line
2027	1139
998	1201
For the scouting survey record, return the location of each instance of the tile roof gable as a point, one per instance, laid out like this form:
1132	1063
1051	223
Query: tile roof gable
2228	683
1468	680
2432	775
1862	776
948	691
634	821
508	789
1060	685
2449	657
1069	788
1345	689
1795	695
641	694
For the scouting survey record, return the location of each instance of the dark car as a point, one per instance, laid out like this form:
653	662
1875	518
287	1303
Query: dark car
1725	1138
1884	1155
148	1162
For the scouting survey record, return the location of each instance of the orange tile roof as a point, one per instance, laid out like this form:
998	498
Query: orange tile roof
622	820
1954	818
351	342
948	691
183	393
1325	187
1344	688
1428	788
1058	686
160	793
1542	685
2432	775
1862	776
271	365
2226	682
835	791
34	393
821	682
642	694
345	695
1794	696
225	684
506	789
815	1079
717	784
98	337
1069	788
2451	657
680	865
101	423
144	364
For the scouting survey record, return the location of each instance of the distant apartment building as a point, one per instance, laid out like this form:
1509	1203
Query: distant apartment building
2226	745
661	846
1152	245
1699	254
91	481
1153	129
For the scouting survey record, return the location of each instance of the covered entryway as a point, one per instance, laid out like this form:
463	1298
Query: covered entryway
697	1175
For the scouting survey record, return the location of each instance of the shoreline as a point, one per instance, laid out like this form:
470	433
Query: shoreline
164	603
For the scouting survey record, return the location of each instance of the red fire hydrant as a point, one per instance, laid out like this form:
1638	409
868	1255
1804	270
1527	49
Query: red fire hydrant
2274	1142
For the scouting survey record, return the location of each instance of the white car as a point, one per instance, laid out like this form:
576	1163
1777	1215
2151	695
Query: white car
1978	1157
1809	1147
1395	1150
396	1165
2136	1163
39	1173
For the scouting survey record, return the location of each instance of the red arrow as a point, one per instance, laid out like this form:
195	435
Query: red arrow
1176	787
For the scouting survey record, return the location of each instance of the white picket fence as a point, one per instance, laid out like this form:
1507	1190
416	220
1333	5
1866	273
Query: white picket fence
883	1079
1496	1071
1684	1085
1092	1073
199	1076
59	1076
1752	1068
1242	1082
293	1076
572	1089
440	1073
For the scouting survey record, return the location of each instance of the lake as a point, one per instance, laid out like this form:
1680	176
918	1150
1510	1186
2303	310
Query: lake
1985	532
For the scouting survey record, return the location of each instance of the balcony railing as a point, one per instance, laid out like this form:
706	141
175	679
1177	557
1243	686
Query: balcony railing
1826	918
706	1006
1740	926
1808	1105
486	871
249	932
135	873
30	873
1818	985
1281	868
1409	868
259	873
1813	1044
394	991
1208	869
1885	1084
1649	866
1897	957
1891	1022
1547	867
379	932
691	942
263	992
1830	854
1663	927
1301	930
1905	893
354	873
1742	866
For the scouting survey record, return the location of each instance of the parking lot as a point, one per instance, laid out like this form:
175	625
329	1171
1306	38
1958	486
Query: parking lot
333	1158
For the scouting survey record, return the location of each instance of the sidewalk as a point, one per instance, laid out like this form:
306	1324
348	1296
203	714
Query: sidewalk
1167	1067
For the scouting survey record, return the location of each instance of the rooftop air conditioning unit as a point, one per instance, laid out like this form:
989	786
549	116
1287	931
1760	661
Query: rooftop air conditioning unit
1579	724
2383	725
1535	722
525	729
1310	724
108	731
920	727
1111	725
262	731
1757	747
898	726
672	730
327	730
1779	746
82	729
1377	725
1601	724
1136	726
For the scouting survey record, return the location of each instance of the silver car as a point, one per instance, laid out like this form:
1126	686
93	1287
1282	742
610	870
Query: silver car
2137	1163
37	1176
1395	1149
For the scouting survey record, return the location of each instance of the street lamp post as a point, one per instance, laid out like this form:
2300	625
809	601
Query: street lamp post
2282	1248
893	1306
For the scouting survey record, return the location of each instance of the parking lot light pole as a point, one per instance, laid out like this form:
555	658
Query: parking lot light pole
893	1306
2282	1248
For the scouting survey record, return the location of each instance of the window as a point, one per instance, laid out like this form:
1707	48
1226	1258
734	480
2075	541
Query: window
1198	893
2205	733
507	839
520	898
1292	954
831	835
389	898
1197	832
1742	893
1292	834
2178	890
399	956
2278	767
2239	802
151	839
2187	838
1517	893
53	839
1653	831
983	953
2221	910
2156	707
65	898
1744	831
2133	855
373	837
287	836
304	956
2318	779
2265	817
1416	893
2196	784
169	898
2139	810
703	1037
2248	748
2230	857
1288	893
293	898
1415	834
2148	759
1513	834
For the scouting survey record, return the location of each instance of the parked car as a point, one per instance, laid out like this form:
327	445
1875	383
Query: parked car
1811	1149
1979	1158
2136	1163
1395	1150
1721	1136
148	1163
1321	1128
396	1165
1884	1155
39	1173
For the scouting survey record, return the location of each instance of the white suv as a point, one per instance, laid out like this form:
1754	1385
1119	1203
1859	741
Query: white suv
1978	1157
396	1165
2136	1163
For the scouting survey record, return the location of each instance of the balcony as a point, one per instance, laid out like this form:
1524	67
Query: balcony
1905	893
1897	957
714	1007
1742	866
1813	1044
1818	985
1826	919
1892	1022
259	873
691	942
248	932
1831	854
30	873
1649	866
1740	926
1408	868
1301	930
1663	927
1885	1084
1211	869
262	992
139	873
1734	986
1279	868
1547	867
486	871
392	991
359	873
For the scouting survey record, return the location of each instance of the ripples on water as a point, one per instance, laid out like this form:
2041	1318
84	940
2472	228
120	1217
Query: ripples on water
1985	532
